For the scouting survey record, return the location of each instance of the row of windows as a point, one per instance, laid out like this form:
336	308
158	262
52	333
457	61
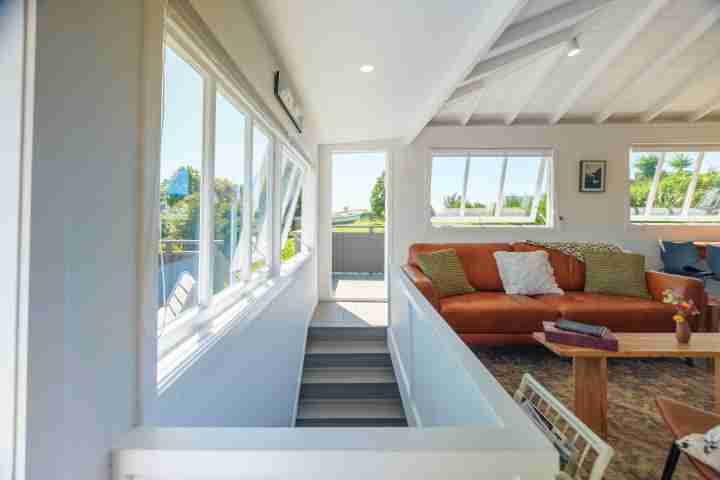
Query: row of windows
218	192
491	187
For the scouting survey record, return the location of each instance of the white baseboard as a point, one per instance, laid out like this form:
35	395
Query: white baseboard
411	412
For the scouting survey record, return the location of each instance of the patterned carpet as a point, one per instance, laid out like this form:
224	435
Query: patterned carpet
636	431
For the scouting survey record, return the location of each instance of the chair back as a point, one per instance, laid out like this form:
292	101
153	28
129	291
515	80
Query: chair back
676	256
584	455
712	257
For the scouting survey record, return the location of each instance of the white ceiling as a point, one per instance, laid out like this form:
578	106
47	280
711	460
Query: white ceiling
412	44
642	60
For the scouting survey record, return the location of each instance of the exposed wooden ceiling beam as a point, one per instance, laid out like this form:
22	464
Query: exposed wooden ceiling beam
474	105
547	69
706	110
496	17
559	18
656	67
521	54
680	87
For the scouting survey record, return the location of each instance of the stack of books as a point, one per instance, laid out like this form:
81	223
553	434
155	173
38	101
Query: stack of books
577	334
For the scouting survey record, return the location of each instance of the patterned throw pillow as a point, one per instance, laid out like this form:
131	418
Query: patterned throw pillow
526	273
616	274
578	249
444	269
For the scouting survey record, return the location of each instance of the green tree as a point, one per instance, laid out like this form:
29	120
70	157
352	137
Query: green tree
681	162
377	197
454	200
671	191
645	166
639	191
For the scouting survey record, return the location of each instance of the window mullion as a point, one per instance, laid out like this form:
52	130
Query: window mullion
501	190
207	224
693	184
465	186
654	187
245	248
538	189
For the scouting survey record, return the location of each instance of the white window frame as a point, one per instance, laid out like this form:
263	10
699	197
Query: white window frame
661	151
197	329
294	191
496	220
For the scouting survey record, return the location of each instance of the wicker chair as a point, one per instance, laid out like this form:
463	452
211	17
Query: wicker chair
584	455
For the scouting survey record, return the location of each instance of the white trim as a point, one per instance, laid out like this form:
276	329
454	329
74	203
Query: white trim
693	185
403	381
301	366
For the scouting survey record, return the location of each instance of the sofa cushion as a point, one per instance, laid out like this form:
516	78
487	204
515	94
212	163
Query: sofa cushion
493	312
569	271
620	314
444	269
476	258
616	274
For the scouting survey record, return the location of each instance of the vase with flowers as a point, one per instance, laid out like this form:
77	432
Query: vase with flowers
684	309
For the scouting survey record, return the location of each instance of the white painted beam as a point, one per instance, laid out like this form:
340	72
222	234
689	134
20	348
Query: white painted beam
465	91
474	105
680	87
614	50
656	67
526	53
555	20
494	20
547	69
706	110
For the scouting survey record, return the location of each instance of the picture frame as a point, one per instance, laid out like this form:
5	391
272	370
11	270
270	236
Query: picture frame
593	176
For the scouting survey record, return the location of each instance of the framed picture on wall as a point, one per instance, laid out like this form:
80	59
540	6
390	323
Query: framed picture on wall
592	176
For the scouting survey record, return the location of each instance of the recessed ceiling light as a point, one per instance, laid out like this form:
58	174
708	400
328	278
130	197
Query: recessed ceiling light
367	68
574	48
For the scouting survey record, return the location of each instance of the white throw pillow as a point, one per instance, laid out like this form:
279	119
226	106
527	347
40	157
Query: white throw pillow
526	273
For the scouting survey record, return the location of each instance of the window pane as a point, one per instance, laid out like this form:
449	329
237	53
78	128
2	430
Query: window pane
260	228
180	167
291	212
520	185
706	199
446	186
642	172
228	258
677	171
483	186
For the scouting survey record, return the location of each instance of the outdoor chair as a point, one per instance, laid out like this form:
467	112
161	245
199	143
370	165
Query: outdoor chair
681	258
584	455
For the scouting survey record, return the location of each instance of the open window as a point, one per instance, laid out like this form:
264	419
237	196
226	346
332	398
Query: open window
491	187
674	184
292	178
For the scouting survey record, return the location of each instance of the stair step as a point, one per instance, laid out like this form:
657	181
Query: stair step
351	413
328	330
342	352
349	383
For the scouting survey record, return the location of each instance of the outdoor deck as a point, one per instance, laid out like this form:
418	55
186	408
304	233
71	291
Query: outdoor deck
352	286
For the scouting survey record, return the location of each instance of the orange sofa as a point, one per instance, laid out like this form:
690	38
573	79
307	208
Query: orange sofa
492	317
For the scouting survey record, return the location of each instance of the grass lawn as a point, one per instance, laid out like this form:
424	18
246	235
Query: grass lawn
361	225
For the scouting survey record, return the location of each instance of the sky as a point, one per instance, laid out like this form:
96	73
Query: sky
353	177
183	120
483	178
711	161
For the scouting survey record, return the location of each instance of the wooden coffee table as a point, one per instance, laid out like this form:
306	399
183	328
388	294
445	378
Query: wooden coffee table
590	367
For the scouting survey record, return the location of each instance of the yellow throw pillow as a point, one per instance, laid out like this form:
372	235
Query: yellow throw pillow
616	274
446	272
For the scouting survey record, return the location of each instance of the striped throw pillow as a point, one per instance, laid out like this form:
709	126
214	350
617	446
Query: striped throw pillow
616	274
446	272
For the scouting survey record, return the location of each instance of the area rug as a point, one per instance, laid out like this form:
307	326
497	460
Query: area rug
636	431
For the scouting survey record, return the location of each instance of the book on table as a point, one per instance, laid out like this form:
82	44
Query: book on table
607	341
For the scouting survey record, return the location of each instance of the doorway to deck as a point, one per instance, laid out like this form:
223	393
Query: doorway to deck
358	226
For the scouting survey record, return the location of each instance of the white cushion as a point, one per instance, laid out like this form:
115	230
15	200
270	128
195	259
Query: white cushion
526	273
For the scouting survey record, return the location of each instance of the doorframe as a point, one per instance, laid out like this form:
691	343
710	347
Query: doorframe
324	251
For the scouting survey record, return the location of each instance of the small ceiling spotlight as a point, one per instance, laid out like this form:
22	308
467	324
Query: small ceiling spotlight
574	48
367	68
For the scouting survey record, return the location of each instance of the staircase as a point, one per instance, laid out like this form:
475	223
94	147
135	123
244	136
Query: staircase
348	379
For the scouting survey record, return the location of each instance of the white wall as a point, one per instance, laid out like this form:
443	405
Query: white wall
250	377
81	339
12	61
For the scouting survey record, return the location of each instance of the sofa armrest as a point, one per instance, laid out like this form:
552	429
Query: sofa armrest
423	283
686	287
